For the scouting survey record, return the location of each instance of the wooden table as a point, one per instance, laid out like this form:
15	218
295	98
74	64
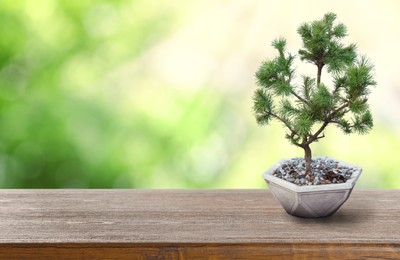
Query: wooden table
191	224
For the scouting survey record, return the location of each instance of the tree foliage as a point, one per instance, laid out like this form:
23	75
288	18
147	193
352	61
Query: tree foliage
306	109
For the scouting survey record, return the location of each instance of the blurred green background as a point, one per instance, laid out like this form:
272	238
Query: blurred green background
157	94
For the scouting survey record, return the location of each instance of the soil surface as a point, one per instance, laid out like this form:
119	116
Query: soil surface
323	171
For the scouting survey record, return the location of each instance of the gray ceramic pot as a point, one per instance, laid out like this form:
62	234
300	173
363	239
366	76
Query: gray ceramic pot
313	201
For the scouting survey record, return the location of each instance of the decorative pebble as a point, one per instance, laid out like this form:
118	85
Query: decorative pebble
290	179
323	171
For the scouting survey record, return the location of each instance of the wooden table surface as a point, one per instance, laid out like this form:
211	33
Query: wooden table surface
189	224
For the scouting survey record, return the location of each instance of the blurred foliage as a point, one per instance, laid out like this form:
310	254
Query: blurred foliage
60	127
67	122
57	127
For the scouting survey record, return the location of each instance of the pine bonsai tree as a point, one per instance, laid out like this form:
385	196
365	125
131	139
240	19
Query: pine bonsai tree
307	109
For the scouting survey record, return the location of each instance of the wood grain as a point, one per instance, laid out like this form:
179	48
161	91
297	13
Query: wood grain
182	224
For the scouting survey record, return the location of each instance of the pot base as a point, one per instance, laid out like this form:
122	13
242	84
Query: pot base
309	204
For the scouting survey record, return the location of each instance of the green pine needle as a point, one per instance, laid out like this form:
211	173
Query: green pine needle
364	123
287	109
262	107
340	31
322	98
279	44
359	78
345	126
308	87
303	124
358	106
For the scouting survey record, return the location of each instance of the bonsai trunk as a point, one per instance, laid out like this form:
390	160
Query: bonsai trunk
307	158
319	73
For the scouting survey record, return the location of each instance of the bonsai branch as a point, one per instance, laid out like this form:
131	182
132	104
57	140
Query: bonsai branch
293	132
320	137
300	98
337	110
328	119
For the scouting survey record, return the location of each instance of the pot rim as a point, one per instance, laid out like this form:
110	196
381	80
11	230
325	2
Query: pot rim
349	184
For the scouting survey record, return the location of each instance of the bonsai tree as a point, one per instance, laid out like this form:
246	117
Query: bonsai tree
306	108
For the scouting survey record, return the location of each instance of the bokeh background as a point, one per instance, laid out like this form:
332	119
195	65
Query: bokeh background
157	94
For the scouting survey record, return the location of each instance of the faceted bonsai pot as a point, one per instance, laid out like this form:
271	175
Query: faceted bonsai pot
312	201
